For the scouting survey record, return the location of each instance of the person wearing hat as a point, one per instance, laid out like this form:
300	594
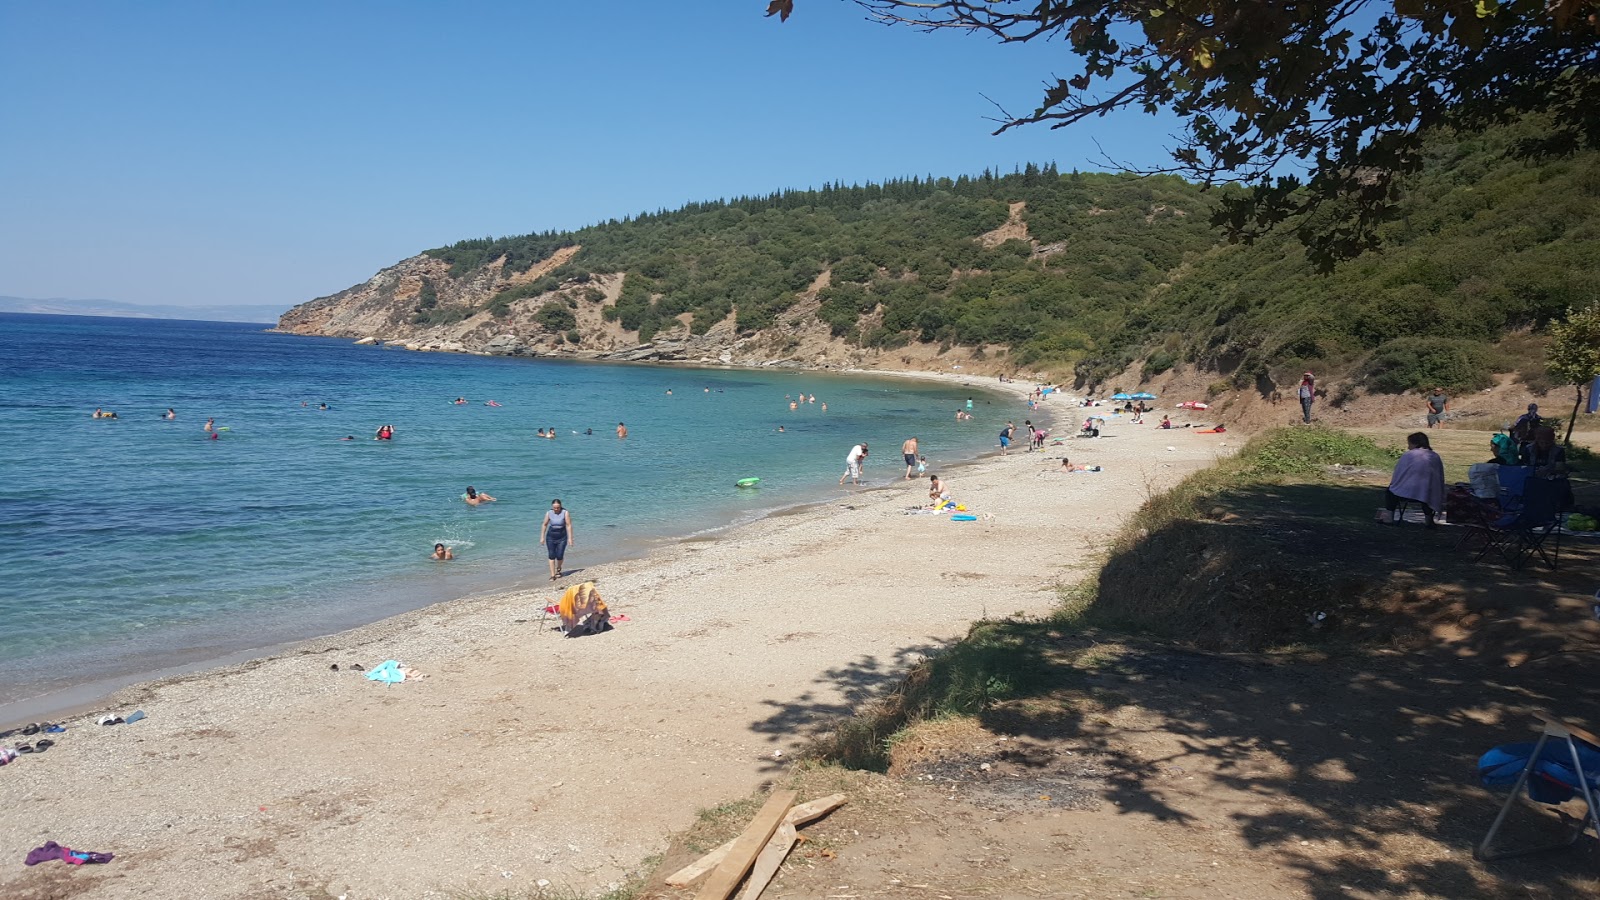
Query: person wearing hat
1522	431
1308	393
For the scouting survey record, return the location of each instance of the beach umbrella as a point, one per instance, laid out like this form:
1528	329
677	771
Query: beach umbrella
1120	395
1143	395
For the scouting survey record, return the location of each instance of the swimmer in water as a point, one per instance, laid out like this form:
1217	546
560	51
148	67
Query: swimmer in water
473	498
348	437
824	407
211	425
541	432
622	430
385	433
322	406
460	401
171	413
98	413
780	429
669	392
588	431
441	552
792	405
551	434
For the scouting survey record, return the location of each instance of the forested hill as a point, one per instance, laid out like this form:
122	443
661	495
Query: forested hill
1036	269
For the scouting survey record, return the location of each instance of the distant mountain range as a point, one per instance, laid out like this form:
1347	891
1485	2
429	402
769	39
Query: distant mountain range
56	306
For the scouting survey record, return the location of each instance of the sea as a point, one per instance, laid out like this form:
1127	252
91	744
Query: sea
138	545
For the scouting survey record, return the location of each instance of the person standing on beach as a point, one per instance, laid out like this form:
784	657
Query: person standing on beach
557	533
622	430
853	462
1438	405
1308	393
1005	437
909	450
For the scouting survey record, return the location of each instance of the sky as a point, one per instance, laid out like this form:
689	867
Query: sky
230	153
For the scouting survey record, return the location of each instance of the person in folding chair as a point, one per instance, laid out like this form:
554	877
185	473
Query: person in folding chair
1418	478
1549	461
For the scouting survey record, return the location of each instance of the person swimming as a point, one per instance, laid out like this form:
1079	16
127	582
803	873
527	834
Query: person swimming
211	425
348	437
551	434
170	414
541	433
460	401
385	433
588	431
491	403
473	497
441	552
322	406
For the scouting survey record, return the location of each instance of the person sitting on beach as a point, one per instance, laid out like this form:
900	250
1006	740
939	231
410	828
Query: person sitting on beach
938	491
441	552
473	497
1418	478
1091	427
1166	421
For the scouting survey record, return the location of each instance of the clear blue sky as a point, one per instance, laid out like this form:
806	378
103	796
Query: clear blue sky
231	153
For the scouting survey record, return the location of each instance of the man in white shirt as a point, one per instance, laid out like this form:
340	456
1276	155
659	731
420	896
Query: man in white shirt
852	463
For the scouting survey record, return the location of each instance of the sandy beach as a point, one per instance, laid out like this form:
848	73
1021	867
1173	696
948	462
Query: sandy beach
526	756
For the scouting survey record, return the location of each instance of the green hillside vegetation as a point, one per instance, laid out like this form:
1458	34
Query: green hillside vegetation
1119	269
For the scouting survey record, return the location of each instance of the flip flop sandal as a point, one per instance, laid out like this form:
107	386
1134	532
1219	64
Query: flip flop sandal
43	745
24	748
55	729
31	728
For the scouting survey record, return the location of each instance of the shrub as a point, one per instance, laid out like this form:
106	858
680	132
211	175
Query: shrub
1419	363
554	316
574	336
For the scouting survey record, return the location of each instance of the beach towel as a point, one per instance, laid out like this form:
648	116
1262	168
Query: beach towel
387	672
582	611
1419	476
52	851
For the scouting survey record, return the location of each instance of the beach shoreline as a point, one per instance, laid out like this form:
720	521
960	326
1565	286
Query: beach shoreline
573	757
64	698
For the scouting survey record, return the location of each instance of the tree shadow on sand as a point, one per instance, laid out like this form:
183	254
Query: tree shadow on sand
1350	758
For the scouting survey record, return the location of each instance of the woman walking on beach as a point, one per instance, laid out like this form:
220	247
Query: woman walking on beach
557	534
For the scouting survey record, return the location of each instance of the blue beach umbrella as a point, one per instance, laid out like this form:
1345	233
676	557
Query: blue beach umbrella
1143	395
1121	395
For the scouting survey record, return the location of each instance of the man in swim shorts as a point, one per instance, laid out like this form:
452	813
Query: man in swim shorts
909	451
852	463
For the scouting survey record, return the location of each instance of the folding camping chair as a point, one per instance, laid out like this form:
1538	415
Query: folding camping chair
1520	534
1552	769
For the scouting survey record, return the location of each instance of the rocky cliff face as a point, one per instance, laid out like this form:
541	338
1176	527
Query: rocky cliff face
385	309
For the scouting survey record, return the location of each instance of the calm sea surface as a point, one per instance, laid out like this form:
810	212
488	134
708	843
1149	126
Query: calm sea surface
138	542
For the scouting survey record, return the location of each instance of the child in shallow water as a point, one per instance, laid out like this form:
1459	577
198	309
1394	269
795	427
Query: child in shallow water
441	552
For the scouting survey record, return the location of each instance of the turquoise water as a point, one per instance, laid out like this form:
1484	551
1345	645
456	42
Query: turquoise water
137	541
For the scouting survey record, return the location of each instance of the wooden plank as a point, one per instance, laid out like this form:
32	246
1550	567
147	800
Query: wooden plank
803	814
727	875
770	860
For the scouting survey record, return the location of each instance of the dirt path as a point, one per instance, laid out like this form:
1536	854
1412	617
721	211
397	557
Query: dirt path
525	756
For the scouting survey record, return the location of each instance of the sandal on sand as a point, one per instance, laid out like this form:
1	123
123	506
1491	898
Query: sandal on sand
43	745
